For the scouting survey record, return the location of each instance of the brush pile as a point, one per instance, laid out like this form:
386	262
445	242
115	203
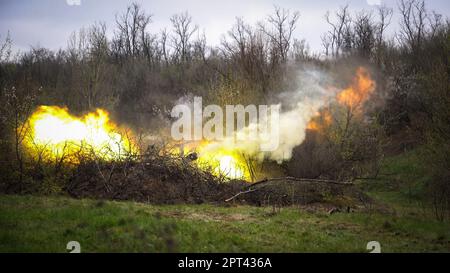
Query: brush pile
173	179
287	191
153	178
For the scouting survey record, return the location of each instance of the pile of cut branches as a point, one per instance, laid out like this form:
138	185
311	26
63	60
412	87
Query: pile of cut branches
153	178
168	179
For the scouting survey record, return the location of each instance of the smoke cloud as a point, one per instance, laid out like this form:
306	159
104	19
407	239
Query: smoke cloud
314	90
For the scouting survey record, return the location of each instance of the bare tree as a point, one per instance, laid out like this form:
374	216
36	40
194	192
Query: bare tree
98	42
151	49
130	39
384	20
199	48
78	45
338	29
385	17
183	31
364	34
435	22
88	50
327	40
283	24
300	50
164	49
239	39
252	54
5	54
413	23
5	49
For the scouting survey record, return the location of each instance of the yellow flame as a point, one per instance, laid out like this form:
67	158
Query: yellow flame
225	163
54	133
221	160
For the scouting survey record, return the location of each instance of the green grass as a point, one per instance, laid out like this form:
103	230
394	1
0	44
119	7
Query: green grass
405	224
405	174
46	224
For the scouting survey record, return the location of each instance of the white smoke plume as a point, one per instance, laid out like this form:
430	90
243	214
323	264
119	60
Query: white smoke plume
312	93
297	109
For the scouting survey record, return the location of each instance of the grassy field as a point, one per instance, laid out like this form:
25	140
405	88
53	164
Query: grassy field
46	224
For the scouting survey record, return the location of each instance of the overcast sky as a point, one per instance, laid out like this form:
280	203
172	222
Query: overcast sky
49	23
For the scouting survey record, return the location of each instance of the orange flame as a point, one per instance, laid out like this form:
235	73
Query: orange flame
359	91
322	120
352	97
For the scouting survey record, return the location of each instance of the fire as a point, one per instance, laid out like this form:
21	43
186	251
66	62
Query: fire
321	120
227	163
229	166
220	158
55	133
352	97
231	159
313	125
359	91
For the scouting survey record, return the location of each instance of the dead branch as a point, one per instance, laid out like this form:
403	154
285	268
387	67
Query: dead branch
296	179
239	193
250	188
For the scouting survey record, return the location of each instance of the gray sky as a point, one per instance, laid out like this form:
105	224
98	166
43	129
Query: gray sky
49	23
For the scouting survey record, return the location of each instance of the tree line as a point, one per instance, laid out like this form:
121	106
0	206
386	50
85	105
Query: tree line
138	75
